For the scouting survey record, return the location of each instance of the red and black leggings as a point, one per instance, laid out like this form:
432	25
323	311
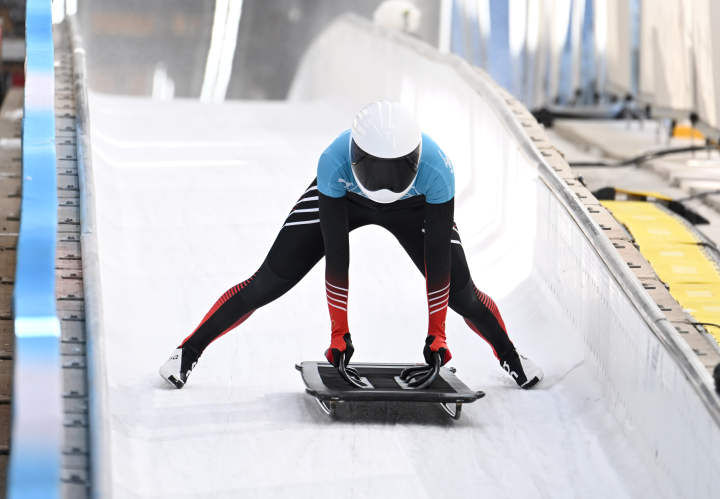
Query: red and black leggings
299	246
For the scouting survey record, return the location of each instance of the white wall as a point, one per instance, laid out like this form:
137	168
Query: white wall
617	47
666	54
706	45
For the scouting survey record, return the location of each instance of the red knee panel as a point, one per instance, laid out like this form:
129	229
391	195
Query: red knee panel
222	301
491	306
477	331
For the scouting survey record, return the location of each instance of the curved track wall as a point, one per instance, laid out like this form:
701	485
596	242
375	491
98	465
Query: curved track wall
99	430
654	384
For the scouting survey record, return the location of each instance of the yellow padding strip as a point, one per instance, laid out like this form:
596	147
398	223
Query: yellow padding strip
644	194
687	132
673	252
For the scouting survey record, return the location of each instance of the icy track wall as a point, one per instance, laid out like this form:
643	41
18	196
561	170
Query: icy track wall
99	433
652	381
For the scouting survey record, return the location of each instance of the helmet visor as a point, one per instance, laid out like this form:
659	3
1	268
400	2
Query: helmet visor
394	174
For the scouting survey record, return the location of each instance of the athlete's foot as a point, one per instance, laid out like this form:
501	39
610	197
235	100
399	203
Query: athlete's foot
177	368
524	371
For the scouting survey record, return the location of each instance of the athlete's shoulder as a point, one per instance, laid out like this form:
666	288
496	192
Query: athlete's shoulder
332	164
435	158
339	148
436	170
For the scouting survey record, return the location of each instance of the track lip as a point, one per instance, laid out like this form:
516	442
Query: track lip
99	420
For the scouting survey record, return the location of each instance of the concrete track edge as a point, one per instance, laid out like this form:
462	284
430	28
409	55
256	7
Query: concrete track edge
98	422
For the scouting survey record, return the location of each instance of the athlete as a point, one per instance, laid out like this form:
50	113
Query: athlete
383	171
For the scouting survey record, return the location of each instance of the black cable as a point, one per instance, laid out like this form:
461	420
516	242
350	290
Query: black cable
705	324
643	157
546	116
710	245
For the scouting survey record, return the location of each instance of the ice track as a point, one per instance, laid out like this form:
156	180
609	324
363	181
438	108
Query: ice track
188	199
186	216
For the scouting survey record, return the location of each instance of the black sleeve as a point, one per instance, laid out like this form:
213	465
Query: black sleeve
334	226
438	229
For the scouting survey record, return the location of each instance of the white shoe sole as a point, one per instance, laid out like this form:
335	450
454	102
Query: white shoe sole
171	379
530	383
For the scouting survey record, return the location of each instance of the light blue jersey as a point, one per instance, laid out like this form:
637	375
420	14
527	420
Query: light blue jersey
435	179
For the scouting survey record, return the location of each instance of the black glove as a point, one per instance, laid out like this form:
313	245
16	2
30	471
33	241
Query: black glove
436	354
338	354
436	344
340	348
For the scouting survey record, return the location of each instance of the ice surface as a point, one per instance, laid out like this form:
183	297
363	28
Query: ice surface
189	199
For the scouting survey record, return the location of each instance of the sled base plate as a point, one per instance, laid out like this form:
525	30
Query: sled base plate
324	382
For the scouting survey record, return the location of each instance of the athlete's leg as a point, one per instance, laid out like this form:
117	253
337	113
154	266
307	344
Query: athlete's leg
478	309
297	248
295	251
239	302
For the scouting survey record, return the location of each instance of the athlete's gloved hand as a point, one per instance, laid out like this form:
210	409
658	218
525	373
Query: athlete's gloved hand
436	344
341	347
437	354
338	354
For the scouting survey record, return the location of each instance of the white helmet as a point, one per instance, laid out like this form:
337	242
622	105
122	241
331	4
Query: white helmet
385	150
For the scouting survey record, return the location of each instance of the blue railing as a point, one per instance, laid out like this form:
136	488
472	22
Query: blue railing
34	469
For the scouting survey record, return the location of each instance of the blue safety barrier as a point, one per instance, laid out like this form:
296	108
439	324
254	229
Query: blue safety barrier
35	454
